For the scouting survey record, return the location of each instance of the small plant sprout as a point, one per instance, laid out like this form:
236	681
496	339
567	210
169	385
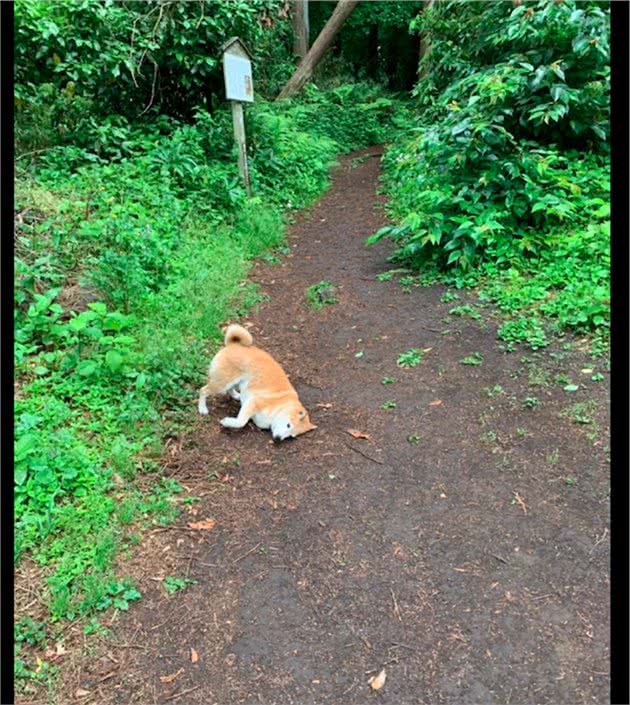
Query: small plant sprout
388	380
413	439
390	404
553	458
493	391
172	584
531	402
411	358
321	294
449	296
466	310
472	359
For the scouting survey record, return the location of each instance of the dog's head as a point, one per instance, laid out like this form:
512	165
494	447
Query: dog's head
291	423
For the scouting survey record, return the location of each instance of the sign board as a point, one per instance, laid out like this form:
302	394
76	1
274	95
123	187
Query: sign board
237	71
239	89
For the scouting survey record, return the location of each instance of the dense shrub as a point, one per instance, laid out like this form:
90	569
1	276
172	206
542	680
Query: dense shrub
79	62
509	155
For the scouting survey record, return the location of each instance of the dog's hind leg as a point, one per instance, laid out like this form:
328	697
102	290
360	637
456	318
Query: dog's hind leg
244	415
234	393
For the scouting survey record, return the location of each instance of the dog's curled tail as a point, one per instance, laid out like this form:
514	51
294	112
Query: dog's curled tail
238	334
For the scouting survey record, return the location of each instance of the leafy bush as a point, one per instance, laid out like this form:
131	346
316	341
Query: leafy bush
508	163
130	59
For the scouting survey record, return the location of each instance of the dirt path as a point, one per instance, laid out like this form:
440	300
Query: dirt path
464	561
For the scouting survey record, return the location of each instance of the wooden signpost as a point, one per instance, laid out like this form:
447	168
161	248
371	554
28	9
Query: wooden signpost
239	89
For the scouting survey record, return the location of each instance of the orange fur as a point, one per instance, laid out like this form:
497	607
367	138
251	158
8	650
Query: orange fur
249	373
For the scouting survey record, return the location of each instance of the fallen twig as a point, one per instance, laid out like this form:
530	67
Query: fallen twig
404	646
183	692
503	560
368	457
396	608
251	550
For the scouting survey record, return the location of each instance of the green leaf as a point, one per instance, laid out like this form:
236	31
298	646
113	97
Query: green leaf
114	360
86	368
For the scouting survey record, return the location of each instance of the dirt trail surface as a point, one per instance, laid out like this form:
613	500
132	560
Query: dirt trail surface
462	546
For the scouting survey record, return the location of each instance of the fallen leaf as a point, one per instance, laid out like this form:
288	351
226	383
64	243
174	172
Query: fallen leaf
323	405
194	656
520	501
587	370
377	682
81	693
435	402
172	677
58	652
358	434
426	350
205	524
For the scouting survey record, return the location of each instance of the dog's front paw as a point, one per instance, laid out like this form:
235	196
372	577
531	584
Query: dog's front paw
202	408
228	422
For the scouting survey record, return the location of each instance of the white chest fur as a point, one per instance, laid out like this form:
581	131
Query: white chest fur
262	420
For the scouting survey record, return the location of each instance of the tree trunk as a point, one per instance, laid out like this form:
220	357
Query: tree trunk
300	28
425	43
305	70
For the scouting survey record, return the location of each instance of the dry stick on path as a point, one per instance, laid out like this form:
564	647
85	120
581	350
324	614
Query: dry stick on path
314	55
360	452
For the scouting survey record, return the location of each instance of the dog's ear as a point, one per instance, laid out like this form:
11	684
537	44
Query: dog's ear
310	426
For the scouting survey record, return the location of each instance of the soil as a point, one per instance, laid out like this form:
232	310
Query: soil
462	547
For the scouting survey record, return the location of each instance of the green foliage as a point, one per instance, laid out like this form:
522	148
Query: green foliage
354	115
321	294
466	310
524	330
472	359
172	584
411	358
132	243
531	402
132	58
374	43
504	179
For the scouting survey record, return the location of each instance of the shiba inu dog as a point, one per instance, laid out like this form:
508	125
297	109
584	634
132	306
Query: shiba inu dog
257	380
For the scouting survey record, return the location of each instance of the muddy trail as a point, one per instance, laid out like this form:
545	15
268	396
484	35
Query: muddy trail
462	546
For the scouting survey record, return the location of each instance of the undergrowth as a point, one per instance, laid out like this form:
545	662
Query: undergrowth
127	263
502	179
